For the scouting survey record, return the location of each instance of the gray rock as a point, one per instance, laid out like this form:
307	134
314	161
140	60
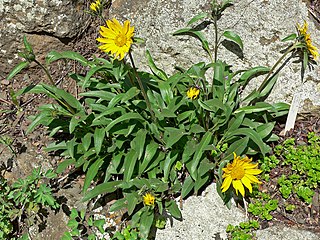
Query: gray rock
53	23
206	217
261	25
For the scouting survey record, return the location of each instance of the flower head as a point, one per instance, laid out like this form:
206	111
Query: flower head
240	172
193	93
95	6
148	199
116	38
303	31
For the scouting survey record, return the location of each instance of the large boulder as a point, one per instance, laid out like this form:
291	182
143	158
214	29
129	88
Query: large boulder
50	25
261	25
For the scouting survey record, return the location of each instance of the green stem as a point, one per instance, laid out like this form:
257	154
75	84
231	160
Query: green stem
275	65
144	94
216	41
216	44
46	71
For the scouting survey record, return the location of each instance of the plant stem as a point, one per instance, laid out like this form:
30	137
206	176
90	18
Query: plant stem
275	65
144	94
216	41
46	71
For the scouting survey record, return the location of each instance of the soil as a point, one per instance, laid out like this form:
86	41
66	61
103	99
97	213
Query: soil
305	216
26	151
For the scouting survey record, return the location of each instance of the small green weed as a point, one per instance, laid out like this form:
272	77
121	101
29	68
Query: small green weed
245	230
83	226
304	162
262	205
22	203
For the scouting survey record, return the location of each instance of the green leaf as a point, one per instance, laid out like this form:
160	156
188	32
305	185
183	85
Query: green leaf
187	186
118	204
253	135
234	37
166	92
254	109
127	116
173	135
212	105
168	164
138	142
198	154
91	173
132	199
197	18
63	96
146	222
27	45
266	88
93	71
157	71
129	164
98	137
196	34
17	69
247	75
236	122
42	118
86	141
305	59
71	147
104	95
190	148
173	209
265	129
237	147
54	56
292	36
102	188
150	152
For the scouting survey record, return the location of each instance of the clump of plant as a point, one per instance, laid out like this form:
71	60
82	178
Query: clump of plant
262	205
153	137
244	231
303	160
84	225
23	202
299	177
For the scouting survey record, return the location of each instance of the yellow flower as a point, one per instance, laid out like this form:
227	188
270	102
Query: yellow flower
240	172
95	6
193	93
303	31
117	39
148	199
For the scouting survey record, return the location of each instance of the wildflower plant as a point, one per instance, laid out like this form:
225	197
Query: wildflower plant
153	137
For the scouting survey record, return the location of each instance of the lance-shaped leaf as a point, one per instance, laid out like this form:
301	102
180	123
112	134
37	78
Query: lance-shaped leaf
197	34
233	37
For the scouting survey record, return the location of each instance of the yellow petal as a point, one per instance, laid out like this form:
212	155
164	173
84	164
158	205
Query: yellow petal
246	181
253	171
237	185
226	184
253	178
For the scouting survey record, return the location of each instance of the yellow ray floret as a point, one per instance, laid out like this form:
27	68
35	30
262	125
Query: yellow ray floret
303	31
240	173
95	6
116	38
148	199
193	93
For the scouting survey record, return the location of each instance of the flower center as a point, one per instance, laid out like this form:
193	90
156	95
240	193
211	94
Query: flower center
237	173
120	40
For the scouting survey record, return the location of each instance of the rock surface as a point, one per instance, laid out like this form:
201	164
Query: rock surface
261	25
50	24
206	217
